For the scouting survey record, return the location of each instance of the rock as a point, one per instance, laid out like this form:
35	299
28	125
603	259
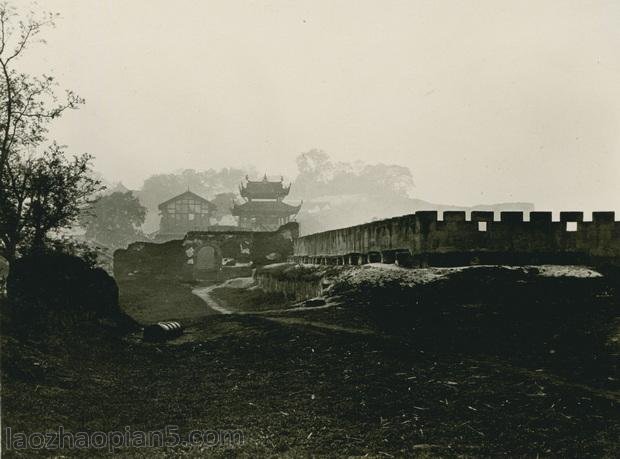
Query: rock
53	288
229	262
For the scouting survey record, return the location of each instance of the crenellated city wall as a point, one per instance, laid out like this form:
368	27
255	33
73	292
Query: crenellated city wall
421	239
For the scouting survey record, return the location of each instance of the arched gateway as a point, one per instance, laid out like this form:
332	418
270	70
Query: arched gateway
208	259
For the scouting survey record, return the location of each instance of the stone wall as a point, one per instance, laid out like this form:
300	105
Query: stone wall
422	239
181	259
295	281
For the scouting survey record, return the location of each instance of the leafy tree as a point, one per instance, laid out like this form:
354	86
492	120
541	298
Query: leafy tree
224	203
158	188
39	192
42	193
27	103
338	194
93	254
320	176
115	219
314	163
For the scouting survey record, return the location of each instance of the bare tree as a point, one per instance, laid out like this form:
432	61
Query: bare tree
27	103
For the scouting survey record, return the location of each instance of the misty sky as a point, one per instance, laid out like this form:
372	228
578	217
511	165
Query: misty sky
485	101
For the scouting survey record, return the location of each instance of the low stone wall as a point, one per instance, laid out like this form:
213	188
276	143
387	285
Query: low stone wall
200	254
296	281
422	239
296	290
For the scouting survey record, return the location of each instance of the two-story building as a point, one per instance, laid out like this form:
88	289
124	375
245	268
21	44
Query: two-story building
183	213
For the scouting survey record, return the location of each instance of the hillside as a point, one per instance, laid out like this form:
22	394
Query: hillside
325	213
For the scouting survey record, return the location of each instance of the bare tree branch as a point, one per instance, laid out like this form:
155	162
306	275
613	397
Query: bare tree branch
27	104
43	192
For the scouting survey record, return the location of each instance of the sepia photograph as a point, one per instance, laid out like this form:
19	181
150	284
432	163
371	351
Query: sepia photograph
310	228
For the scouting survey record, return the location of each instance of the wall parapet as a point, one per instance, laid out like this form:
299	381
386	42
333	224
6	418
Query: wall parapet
425	237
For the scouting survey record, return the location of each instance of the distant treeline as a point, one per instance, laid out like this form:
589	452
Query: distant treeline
335	194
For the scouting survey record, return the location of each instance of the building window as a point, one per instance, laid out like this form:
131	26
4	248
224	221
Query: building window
571	227
191	217
482	226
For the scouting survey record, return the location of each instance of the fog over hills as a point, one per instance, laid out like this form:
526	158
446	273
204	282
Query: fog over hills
334	194
331	212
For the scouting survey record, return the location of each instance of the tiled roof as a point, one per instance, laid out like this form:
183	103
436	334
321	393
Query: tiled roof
265	207
264	189
187	194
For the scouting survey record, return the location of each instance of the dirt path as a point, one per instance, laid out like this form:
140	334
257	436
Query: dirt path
203	294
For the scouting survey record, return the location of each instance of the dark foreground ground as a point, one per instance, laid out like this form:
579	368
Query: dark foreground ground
369	376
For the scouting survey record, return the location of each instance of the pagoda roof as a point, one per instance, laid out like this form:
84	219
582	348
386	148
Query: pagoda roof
265	208
187	194
264	189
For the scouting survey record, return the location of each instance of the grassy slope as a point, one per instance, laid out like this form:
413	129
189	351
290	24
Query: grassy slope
151	300
296	389
248	300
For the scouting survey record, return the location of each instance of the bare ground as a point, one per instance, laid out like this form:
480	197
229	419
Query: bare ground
310	383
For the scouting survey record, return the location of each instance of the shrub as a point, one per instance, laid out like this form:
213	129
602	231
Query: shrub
56	289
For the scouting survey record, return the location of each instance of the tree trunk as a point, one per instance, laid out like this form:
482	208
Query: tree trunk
10	252
38	242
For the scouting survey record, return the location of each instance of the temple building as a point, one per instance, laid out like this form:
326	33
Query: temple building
263	209
183	213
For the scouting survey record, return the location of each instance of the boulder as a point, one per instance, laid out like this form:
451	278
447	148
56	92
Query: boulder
60	288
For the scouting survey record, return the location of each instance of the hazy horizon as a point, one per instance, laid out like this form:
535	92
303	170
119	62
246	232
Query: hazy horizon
486	102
